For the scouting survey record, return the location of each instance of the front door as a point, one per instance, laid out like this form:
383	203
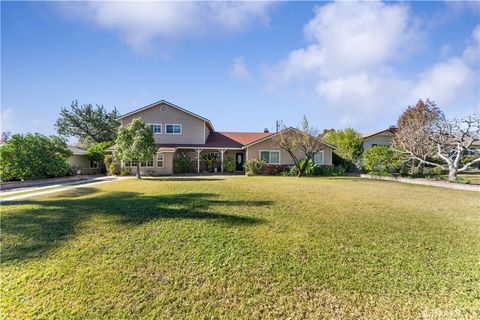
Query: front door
239	161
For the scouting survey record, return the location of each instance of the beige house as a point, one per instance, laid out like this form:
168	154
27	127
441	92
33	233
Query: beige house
81	164
380	138
179	131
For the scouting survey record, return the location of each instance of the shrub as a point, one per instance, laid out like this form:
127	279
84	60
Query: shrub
472	157
379	160
124	172
460	180
96	151
254	167
330	171
209	161
34	156
113	168
182	164
229	165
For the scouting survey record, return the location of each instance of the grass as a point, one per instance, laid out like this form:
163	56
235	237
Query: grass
257	247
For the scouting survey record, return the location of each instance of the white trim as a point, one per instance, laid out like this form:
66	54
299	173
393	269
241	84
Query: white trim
207	148
173	128
204	138
156	124
279	155
163	160
169	104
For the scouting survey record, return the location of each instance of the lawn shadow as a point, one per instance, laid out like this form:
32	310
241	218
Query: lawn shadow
195	179
46	224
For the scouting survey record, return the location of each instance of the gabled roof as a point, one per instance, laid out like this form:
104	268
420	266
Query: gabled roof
170	105
271	135
372	134
77	150
245	138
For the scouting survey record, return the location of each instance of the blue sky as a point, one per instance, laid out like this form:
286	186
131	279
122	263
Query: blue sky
242	65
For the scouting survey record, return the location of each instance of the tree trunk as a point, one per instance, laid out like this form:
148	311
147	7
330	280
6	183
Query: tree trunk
452	174
138	171
420	167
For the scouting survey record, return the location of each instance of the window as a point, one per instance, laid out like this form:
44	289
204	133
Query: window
270	156
318	158
93	164
133	163
160	160
156	128
147	164
173	128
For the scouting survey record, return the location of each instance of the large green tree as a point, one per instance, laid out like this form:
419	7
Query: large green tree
136	142
348	143
33	156
90	124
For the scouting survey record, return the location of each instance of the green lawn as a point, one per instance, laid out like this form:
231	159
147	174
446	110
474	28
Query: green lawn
257	247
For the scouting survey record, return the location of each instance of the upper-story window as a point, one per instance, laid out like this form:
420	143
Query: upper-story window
156	128
173	128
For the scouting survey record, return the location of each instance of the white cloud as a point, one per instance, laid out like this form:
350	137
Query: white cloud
445	82
239	70
141	22
350	56
7	120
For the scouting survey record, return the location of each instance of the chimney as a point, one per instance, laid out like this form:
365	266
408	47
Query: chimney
266	130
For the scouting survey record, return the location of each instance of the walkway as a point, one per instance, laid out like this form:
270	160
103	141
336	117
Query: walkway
442	184
23	193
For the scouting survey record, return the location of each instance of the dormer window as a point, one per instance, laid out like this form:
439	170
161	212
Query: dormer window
173	129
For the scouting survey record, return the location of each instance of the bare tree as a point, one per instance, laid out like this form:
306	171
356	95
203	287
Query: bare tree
414	126
447	141
452	140
305	139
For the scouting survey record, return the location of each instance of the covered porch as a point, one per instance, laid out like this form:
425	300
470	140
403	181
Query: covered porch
218	156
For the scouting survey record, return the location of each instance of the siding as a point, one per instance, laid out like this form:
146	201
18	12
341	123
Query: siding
285	158
193	128
381	139
167	168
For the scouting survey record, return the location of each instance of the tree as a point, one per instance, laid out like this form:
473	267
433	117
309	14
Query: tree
452	141
379	159
428	134
414	127
348	144
306	139
136	142
33	156
5	137
96	151
88	123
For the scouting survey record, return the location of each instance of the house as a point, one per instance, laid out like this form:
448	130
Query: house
81	164
383	137
179	131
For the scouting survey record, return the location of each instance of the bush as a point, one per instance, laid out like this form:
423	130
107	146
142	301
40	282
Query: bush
34	156
209	160
472	157
125	172
379	160
182	164
113	168
229	165
96	151
254	167
330	171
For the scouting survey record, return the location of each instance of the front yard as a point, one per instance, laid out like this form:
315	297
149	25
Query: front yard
258	247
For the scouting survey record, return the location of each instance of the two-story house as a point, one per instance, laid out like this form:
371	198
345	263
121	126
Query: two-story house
177	130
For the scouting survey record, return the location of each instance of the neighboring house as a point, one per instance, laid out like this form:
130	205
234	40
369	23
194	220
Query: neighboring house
177	130
380	138
80	162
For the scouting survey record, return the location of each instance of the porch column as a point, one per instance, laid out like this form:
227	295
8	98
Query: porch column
222	151
198	150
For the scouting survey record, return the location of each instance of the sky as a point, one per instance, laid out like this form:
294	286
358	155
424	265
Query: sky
243	65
